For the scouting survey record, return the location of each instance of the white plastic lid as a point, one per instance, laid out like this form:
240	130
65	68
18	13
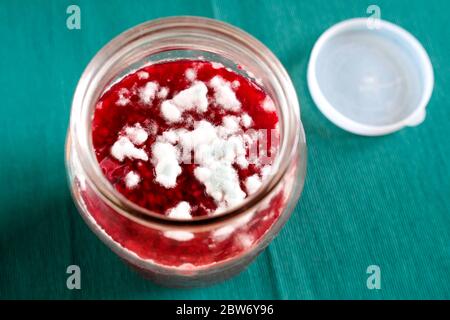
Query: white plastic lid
370	81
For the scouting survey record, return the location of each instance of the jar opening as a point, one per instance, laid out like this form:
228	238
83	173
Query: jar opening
178	38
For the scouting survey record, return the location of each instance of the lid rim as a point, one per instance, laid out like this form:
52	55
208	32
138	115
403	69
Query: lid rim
346	123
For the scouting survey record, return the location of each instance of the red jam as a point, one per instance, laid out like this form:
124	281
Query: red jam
129	121
135	104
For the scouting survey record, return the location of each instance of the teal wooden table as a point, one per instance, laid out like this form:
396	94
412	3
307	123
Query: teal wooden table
367	201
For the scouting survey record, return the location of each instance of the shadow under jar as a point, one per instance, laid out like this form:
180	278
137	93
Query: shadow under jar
208	248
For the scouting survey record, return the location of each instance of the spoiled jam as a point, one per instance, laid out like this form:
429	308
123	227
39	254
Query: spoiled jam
127	104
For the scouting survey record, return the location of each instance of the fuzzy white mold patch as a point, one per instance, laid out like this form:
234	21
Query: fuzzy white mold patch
179	235
246	120
191	74
148	92
124	148
136	134
165	160
194	97
181	211
132	179
123	100
143	75
163	93
268	104
252	183
224	95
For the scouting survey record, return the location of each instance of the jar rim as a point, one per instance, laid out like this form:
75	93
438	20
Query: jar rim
80	123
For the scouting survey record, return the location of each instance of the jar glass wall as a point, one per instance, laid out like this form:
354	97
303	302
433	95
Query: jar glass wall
204	249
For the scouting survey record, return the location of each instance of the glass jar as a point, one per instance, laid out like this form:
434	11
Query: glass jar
204	249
